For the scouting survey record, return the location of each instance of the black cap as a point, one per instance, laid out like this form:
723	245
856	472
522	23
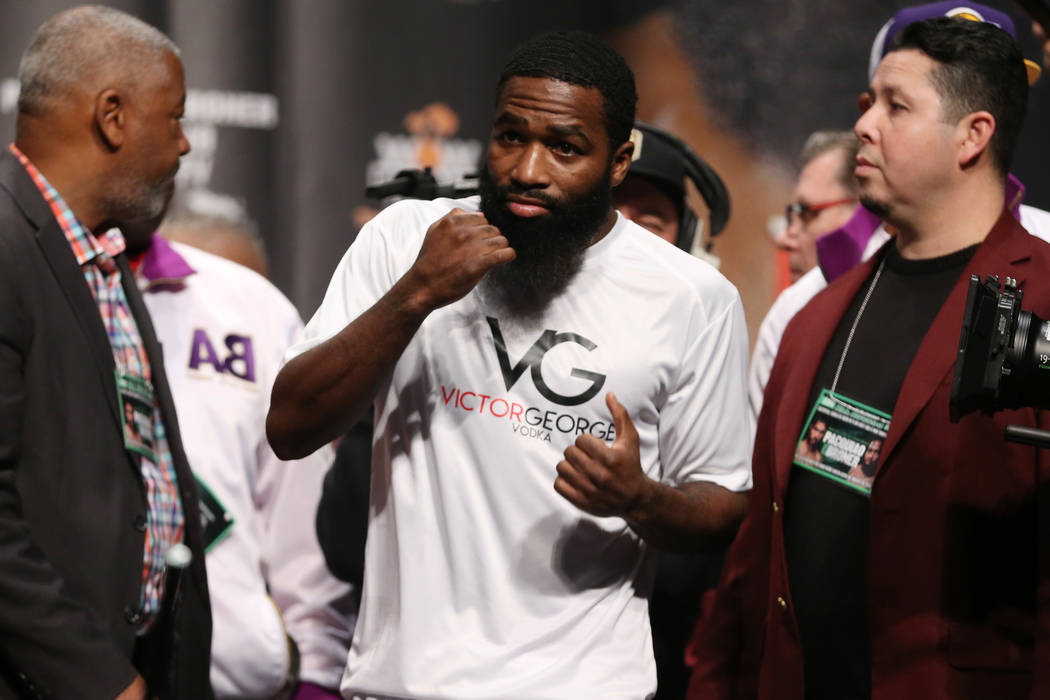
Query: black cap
659	161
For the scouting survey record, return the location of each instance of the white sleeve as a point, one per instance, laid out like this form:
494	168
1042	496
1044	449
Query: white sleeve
762	363
319	610
1036	222
788	303
705	425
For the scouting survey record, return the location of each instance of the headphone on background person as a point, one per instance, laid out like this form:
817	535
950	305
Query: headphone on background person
665	160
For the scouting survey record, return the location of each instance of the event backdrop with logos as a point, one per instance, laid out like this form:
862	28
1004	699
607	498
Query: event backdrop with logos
295	106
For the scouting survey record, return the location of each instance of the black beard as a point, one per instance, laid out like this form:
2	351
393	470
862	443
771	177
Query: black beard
549	247
875	206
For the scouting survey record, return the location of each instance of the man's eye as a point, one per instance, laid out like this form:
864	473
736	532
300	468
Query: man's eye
653	224
566	149
864	102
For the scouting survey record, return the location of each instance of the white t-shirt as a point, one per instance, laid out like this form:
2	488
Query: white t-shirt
224	330
792	299
480	580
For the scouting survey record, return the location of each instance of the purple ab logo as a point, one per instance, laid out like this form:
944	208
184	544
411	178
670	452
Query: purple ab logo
240	362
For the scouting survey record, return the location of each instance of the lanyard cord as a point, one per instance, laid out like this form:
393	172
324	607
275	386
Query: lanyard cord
856	321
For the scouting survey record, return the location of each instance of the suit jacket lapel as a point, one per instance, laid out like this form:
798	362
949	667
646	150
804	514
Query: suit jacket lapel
1002	254
71	279
64	266
162	391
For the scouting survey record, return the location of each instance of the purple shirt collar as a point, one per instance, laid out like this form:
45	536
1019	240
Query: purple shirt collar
841	249
1015	191
162	265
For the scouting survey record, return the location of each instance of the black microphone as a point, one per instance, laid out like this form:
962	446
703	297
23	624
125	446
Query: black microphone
420	184
417	184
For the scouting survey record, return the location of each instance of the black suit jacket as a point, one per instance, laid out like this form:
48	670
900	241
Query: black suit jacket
72	498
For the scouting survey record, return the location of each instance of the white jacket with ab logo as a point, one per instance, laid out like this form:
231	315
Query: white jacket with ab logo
224	329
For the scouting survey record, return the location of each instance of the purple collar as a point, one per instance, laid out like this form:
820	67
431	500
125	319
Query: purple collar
1015	191
841	249
162	265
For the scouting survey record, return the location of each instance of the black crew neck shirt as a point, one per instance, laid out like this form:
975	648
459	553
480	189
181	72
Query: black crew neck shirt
826	524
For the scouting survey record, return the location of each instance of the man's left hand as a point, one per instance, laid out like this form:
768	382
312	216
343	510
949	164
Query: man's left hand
605	480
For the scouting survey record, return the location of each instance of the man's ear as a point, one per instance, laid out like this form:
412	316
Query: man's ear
621	162
975	134
110	118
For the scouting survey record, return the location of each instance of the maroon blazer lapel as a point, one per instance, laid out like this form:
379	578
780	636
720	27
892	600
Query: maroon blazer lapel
1002	253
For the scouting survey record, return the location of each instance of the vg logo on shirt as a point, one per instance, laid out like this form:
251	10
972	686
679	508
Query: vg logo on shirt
533	360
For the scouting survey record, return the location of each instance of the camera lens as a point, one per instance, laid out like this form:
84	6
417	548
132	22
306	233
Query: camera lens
1028	364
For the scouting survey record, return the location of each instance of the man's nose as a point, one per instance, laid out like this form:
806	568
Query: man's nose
530	170
184	143
864	126
787	238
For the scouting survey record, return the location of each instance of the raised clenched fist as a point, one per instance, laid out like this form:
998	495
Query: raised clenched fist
458	250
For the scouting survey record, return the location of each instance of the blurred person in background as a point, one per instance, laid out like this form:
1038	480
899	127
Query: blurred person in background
825	196
232	237
282	622
825	199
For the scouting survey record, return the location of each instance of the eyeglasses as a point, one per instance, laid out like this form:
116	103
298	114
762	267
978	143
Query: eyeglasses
807	212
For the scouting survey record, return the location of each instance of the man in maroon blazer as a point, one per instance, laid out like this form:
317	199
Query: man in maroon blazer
933	579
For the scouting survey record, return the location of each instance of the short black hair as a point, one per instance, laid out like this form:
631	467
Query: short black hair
980	67
580	58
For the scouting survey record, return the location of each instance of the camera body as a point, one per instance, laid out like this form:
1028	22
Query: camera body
1003	359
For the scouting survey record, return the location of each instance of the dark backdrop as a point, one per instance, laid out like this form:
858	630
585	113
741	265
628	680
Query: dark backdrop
296	104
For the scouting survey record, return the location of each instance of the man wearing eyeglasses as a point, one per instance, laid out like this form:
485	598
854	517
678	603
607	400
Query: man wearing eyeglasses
824	199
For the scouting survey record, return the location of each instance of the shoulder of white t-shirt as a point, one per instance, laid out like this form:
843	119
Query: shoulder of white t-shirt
698	275
404	223
425	209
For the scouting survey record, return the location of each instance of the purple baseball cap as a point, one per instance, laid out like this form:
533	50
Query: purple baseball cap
952	8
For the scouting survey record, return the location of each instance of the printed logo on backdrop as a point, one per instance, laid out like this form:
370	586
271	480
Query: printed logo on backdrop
429	143
206	112
531	421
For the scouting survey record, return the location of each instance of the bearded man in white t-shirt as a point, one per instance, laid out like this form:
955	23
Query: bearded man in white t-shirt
555	390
